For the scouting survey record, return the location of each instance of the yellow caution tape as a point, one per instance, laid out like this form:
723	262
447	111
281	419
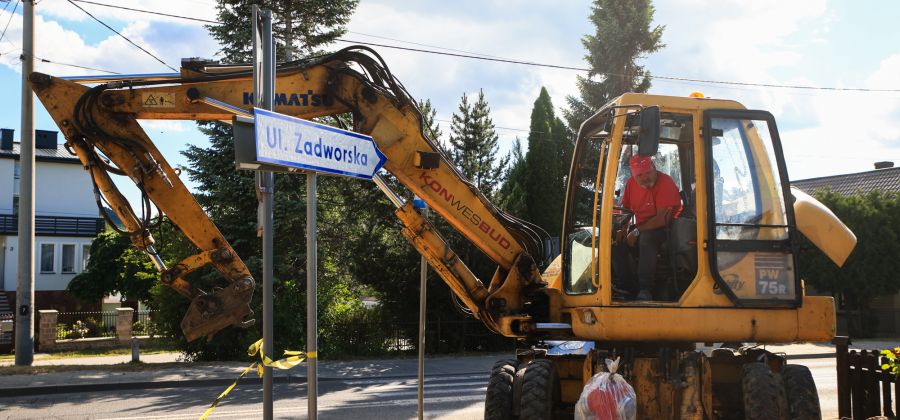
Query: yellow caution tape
293	358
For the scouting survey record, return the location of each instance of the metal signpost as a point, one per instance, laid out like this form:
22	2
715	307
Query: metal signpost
264	92
423	280
279	142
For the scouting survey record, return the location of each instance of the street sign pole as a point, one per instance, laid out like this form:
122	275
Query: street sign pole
264	92
312	377
420	204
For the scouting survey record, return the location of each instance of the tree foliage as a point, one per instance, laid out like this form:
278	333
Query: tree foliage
312	23
473	145
624	35
115	267
511	196
547	163
871	269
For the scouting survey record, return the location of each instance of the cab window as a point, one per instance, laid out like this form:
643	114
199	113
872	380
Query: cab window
753	258
585	186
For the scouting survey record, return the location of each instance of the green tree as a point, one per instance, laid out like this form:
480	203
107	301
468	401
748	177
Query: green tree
623	36
549	152
306	25
871	269
511	196
114	267
229	196
429	113
474	145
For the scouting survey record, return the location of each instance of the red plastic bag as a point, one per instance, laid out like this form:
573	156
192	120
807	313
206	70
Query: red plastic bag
607	396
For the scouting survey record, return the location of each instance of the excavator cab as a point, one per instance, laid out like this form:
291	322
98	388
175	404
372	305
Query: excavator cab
733	240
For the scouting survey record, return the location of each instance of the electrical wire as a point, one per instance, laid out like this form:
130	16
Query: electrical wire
148	12
11	14
44	60
487	57
123	36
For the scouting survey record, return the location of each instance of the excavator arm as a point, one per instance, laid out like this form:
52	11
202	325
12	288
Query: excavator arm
100	126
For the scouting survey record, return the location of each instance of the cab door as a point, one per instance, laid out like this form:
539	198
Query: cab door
752	252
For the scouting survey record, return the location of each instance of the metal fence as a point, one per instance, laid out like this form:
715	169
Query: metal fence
71	325
143	323
864	389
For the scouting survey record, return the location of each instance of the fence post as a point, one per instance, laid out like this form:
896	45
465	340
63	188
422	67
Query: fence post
47	334
841	345
123	324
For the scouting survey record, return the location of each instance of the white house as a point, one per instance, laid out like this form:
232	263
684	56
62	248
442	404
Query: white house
66	221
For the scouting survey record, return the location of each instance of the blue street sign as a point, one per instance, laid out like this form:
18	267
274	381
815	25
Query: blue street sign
293	142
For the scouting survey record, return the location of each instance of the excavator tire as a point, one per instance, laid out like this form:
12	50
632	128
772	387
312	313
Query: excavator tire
540	391
802	396
498	405
764	396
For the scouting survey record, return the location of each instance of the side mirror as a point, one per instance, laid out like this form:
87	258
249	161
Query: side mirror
648	138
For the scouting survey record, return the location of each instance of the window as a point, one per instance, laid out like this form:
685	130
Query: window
753	254
17	172
48	258
582	235
85	255
68	258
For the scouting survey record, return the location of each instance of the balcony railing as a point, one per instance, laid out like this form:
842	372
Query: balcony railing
54	225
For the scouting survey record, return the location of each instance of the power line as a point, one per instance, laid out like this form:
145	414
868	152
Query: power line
123	36
148	12
678	79
44	60
11	14
487	57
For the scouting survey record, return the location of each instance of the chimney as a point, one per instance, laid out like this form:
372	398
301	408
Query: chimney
45	139
884	164
6	138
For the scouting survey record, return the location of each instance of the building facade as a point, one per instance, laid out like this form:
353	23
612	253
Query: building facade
66	222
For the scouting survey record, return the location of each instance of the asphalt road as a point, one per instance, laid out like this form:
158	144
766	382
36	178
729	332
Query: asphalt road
447	396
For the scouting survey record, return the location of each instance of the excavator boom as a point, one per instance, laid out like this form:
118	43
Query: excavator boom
100	122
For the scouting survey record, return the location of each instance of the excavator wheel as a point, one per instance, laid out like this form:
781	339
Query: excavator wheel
498	405
540	391
802	396
764	395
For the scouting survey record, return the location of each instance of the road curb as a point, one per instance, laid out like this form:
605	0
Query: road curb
195	383
810	356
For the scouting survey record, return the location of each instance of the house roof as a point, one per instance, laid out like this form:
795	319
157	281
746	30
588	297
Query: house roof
60	154
887	179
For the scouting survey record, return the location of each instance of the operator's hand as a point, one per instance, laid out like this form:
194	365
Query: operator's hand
620	235
632	238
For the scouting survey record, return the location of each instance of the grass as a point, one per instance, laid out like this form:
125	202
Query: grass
152	347
122	367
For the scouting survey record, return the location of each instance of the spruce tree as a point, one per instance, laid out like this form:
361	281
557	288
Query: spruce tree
429	114
229	197
312	23
474	145
622	37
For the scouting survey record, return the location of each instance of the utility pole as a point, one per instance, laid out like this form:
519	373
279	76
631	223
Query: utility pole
25	275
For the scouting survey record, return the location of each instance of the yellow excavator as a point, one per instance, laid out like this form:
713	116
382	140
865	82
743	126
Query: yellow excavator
726	273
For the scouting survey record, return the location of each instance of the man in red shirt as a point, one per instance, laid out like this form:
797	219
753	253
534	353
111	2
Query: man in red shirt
653	198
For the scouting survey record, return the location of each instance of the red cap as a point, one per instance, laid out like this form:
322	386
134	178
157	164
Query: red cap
640	164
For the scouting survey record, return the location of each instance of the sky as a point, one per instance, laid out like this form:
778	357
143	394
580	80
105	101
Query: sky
825	44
